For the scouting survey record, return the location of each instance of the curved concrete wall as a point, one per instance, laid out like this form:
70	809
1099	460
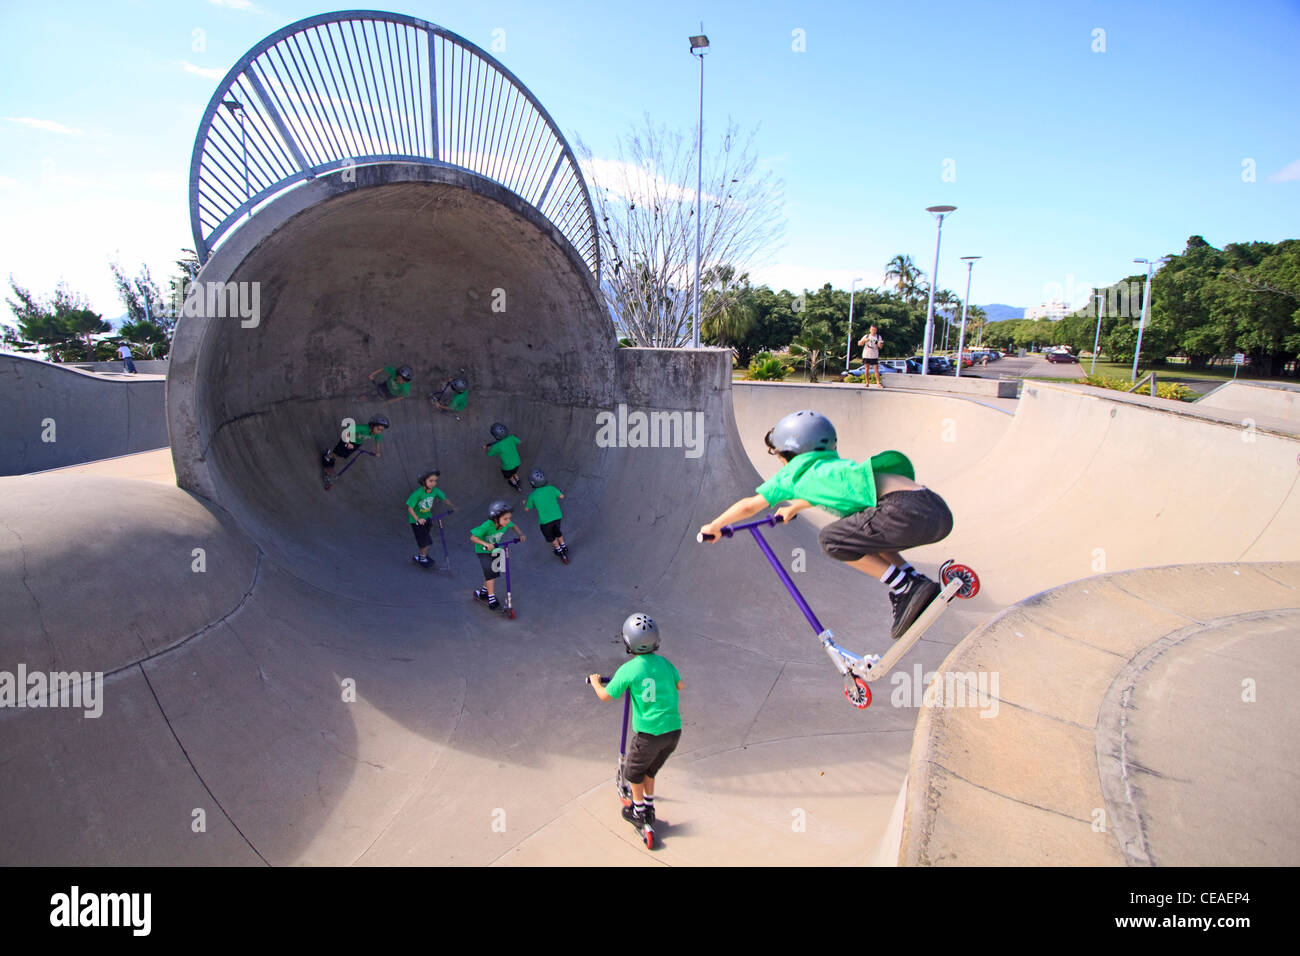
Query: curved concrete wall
88	416
1138	719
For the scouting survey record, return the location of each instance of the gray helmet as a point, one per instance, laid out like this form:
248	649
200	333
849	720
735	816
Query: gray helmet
379	421
801	432
405	372
458	385
498	508
537	477
640	634
499	431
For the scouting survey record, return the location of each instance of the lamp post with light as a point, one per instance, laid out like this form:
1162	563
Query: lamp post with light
938	212
698	45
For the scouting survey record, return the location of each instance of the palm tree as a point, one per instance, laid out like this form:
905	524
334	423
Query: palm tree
906	277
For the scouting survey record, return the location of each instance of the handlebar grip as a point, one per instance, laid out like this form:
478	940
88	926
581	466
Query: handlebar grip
603	679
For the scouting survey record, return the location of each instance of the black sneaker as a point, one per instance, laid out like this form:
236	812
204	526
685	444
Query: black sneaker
921	591
492	602
481	594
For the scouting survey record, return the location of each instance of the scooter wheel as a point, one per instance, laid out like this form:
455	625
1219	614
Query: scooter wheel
858	693
510	613
970	580
649	837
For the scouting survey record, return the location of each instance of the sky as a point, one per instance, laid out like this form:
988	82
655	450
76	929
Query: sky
1071	137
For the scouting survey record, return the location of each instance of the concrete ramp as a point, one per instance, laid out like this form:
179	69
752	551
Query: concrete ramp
56	416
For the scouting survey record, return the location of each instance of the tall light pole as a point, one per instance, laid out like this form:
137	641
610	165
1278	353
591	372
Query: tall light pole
1096	339
938	212
961	339
237	108
848	344
1142	321
698	45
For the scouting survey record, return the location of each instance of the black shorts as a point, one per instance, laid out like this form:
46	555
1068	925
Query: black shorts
341	450
871	361
507	475
551	530
646	756
485	561
900	520
423	533
383	389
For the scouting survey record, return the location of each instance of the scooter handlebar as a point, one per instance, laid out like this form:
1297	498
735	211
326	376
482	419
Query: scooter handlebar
731	529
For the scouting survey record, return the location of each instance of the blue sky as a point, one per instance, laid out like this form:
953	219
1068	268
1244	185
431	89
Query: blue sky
1064	162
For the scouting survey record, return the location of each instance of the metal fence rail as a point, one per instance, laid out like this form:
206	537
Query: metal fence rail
354	87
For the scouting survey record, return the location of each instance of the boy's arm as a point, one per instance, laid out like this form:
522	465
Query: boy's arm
598	687
744	508
414	516
372	375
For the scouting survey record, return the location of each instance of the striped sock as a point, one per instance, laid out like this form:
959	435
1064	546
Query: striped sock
895	579
638	808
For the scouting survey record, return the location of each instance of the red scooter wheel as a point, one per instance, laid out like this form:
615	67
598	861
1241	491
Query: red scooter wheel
858	693
970	580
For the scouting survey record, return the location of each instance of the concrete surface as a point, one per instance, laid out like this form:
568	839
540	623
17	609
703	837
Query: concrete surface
314	698
1271	399
1139	719
55	415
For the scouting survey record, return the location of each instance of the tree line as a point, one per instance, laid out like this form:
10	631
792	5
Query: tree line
815	325
66	329
1206	305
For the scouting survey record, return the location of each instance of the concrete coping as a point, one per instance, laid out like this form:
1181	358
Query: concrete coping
1012	755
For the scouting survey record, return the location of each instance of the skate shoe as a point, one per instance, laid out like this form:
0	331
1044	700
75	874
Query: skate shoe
921	591
493	603
481	594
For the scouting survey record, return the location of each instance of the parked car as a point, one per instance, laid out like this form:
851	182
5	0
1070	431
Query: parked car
1061	357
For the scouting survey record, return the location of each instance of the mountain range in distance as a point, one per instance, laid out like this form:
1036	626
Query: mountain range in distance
997	312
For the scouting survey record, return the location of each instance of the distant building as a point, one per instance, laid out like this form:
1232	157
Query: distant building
1054	311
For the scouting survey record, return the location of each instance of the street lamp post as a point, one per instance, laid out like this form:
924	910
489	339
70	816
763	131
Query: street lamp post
237	108
938	212
961	339
1142	320
699	43
1096	339
848	344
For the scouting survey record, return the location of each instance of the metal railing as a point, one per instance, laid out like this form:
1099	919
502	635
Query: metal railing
361	86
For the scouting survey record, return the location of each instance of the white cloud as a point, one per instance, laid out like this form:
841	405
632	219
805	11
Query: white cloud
234	4
7	182
637	183
48	125
1287	174
207	74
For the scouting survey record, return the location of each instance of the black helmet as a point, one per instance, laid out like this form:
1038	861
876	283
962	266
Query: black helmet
640	634
405	372
801	432
537	477
499	431
379	421
498	508
434	473
458	385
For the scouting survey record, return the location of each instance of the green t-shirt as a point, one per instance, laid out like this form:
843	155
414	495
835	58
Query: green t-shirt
395	387
546	500
488	531
363	432
840	485
508	451
459	401
422	502
652	681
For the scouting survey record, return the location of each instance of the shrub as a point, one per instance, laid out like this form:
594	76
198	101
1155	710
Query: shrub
1175	391
767	369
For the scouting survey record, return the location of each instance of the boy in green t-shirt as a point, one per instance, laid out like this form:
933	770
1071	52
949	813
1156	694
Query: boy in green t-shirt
547	499
351	439
395	383
419	506
881	510
459	389
486	538
505	446
653	683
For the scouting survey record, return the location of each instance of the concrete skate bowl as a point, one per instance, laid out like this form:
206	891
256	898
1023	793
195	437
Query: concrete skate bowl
56	416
